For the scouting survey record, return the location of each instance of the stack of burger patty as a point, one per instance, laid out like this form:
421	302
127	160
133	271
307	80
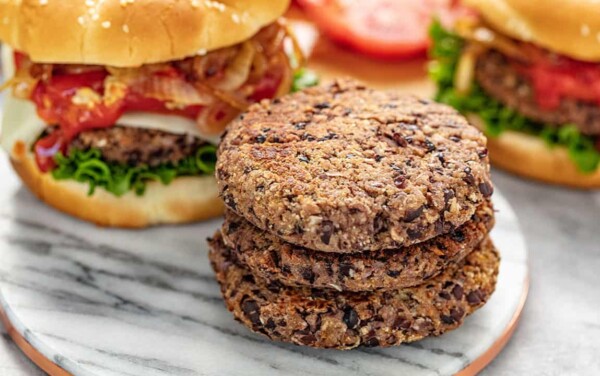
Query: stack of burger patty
355	218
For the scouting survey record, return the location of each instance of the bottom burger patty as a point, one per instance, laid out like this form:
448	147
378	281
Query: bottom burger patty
138	146
501	81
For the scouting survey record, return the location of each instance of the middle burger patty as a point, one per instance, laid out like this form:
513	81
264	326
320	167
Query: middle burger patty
138	146
501	81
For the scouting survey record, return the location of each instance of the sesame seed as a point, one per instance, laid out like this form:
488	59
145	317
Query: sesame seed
95	16
106	24
215	4
585	30
195	3
202	52
81	20
125	29
43	2
235	18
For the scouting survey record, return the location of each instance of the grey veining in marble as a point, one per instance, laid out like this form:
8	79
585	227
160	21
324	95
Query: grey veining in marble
110	302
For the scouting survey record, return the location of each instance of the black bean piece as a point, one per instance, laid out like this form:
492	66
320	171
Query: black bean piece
469	178
474	297
448	195
457	291
372	342
414	233
401	323
458	235
308	339
486	189
230	202
326	231
308	275
429	145
252	311
270	324
400	181
350	318
300	125
412	214
322	105
393	273
444	295
457	313
346	269
275	258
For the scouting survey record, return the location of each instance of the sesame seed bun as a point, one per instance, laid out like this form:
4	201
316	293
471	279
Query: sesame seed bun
568	27
128	33
186	199
529	156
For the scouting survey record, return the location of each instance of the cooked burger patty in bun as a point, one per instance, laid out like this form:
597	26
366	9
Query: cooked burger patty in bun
106	98
138	146
530	84
503	82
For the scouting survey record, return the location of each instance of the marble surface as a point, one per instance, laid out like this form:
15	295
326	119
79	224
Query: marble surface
559	332
110	302
12	361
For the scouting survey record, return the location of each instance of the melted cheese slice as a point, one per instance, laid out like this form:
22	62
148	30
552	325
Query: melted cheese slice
20	121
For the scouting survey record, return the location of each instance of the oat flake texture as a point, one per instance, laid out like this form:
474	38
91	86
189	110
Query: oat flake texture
342	168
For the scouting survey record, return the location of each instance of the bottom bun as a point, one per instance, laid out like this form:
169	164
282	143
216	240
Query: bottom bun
186	199
530	156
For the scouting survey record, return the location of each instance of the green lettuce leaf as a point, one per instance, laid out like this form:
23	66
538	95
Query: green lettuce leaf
445	50
89	167
304	78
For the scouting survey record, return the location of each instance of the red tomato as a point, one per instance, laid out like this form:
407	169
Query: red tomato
389	29
555	77
266	88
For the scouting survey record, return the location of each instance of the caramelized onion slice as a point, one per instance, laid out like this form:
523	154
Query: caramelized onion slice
238	70
478	33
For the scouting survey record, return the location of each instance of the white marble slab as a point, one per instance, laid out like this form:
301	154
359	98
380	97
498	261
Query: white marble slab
112	302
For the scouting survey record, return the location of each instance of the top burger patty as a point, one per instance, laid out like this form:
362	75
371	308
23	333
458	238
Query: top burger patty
138	146
501	81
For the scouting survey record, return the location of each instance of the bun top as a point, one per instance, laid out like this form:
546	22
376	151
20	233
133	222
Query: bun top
128	33
568	27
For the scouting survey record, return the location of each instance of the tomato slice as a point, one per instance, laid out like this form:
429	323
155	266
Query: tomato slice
389	29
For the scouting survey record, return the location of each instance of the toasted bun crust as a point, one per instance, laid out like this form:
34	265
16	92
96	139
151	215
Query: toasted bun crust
569	27
186	199
530	157
129	32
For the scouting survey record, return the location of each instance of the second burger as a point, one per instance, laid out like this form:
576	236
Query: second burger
115	106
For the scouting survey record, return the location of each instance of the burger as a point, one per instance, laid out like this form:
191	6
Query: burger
113	108
528	73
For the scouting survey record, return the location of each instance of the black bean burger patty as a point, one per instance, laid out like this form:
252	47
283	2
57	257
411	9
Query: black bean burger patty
501	81
138	146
